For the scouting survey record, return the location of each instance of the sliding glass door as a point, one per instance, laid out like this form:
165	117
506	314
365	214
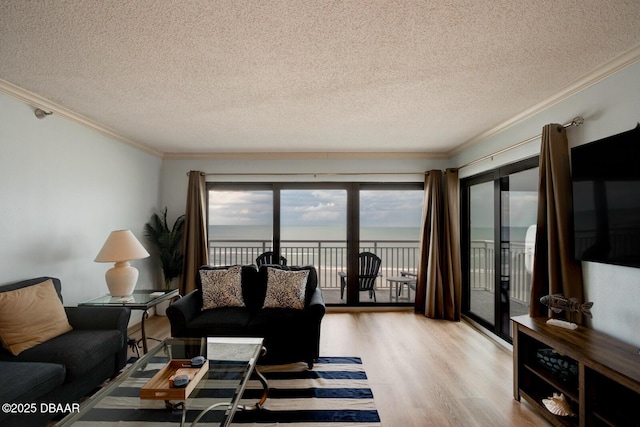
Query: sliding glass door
481	279
499	211
313	231
520	207
326	225
390	222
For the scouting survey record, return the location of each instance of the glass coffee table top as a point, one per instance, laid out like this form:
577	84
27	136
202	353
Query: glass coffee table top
212	402
140	299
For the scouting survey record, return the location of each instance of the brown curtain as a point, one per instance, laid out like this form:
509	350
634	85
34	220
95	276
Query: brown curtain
195	245
428	265
554	270
451	246
438	285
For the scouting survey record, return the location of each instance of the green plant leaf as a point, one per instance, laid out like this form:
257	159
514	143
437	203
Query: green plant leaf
167	243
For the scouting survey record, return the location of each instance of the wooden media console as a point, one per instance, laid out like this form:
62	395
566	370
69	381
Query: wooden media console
598	374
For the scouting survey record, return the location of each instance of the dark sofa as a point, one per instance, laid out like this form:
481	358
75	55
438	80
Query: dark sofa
65	368
290	335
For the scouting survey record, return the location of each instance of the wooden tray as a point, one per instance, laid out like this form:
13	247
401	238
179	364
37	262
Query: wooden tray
159	387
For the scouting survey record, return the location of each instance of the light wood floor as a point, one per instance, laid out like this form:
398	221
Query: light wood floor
423	372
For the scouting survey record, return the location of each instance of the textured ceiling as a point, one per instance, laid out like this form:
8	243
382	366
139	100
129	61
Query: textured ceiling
307	76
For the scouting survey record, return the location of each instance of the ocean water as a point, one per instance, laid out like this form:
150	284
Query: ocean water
260	233
242	244
315	233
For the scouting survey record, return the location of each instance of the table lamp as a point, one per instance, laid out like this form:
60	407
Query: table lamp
121	247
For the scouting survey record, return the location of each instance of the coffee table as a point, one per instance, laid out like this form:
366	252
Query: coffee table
213	401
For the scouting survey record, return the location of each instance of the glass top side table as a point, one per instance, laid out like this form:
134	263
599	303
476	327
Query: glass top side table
140	300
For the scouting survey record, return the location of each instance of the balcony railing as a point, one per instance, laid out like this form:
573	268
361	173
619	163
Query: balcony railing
330	257
482	269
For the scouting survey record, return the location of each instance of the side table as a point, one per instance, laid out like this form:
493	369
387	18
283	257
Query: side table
139	300
398	283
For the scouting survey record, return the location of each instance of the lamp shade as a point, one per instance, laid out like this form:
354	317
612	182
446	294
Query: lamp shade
121	245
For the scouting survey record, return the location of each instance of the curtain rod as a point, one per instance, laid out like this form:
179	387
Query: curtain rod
314	174
577	121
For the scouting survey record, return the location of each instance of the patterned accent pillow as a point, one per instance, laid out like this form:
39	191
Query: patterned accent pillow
222	288
285	289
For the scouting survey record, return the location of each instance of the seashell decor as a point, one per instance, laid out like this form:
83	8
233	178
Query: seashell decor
557	405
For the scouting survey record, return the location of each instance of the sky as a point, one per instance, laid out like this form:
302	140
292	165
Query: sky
316	208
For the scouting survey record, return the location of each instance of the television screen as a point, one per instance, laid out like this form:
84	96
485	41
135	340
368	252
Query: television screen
606	199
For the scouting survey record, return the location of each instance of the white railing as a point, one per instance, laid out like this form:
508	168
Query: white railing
330	257
482	269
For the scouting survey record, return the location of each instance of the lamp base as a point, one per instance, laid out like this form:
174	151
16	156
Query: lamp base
121	279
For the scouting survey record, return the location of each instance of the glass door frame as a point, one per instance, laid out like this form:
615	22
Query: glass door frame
500	176
353	218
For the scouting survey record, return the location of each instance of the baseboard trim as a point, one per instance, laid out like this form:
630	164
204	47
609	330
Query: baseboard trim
493	337
368	309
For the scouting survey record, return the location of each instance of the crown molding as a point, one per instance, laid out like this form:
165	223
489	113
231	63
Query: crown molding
626	59
37	101
306	155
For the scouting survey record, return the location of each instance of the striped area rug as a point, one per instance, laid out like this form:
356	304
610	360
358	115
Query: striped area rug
335	393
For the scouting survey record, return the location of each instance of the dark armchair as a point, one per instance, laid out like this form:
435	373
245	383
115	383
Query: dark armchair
270	258
368	271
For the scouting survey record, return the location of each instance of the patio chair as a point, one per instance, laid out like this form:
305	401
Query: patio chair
368	271
269	258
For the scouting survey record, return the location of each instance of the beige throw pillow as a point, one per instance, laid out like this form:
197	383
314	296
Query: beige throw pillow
286	289
30	316
222	288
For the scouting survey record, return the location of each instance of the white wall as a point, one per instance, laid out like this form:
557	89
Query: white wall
63	189
610	106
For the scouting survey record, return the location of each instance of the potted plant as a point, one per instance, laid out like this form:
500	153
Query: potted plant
167	243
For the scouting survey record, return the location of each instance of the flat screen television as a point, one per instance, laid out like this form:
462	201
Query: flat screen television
606	199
